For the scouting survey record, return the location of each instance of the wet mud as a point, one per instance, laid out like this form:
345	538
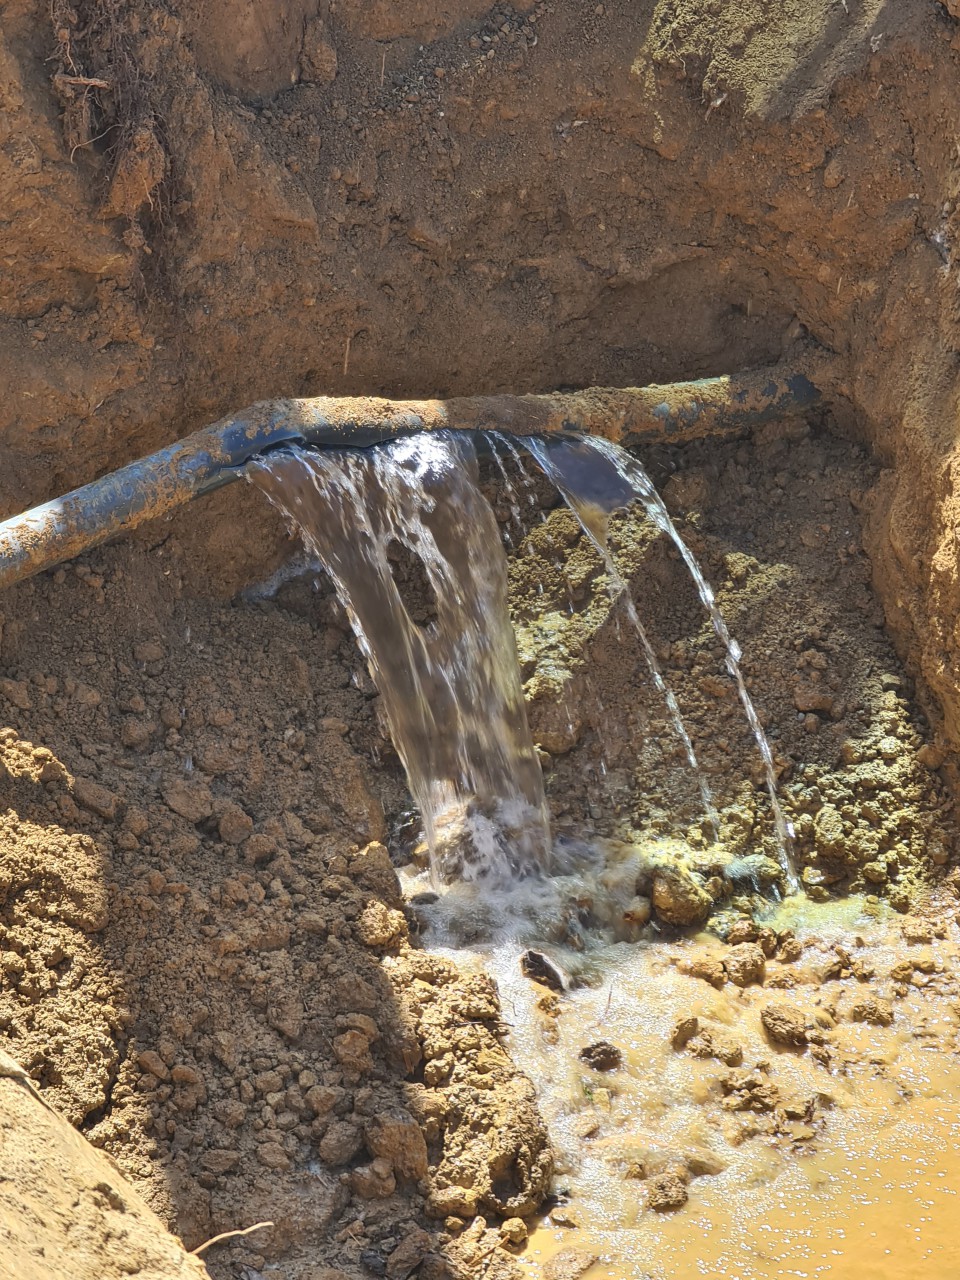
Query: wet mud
208	961
210	967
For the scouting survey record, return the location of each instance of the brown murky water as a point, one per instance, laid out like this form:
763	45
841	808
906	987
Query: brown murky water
837	1158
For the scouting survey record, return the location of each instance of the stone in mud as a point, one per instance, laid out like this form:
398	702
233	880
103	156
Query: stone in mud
601	1056
461	1202
16	692
408	1254
712	1042
352	1051
784	1024
340	1143
678	898
380	927
828	830
374	1181
708	969
191	800
513	1232
234	825
95	798
745	964
748	1090
684	1031
272	1156
373	870
877	1012
637	912
535	966
743	930
666	1191
569	1264
875	872
318	56
397	1137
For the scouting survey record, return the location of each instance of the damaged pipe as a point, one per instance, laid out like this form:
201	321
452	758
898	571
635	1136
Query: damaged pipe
156	485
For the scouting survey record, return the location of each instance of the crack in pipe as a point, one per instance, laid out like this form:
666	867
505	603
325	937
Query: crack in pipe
156	485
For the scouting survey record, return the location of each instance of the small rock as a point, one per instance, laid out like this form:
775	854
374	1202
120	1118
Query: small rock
666	1191
149	652
352	1051
708	969
220	1161
285	1013
273	1156
374	1181
748	1090
879	1013
514	1232
322	1098
408	1254
712	1042
318	56
684	1031
833	173
535	966
234	825
742	931
340	1143
745	963
17	692
149	1060
380	927
678	898
875	872
930	756
601	1056
97	799
136	733
916	931
191	800
813	697
637	911
784	1024
395	1135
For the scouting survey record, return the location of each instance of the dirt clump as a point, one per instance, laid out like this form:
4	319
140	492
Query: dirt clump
784	1024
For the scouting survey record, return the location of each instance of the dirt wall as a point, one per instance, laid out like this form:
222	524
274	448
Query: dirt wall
213	202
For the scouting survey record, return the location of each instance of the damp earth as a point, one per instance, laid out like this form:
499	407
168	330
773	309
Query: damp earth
222	957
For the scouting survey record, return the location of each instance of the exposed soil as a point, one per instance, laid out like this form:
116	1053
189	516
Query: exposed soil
206	961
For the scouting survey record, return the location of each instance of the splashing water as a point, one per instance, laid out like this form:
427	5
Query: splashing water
596	477
559	463
451	688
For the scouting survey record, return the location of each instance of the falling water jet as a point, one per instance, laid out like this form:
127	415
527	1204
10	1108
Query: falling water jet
451	689
594	520
598	491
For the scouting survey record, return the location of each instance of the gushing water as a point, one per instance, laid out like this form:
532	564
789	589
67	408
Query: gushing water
562	463
451	688
596	477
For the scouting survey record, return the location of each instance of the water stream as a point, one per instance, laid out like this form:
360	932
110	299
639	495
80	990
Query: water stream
451	688
450	683
596	477
571	465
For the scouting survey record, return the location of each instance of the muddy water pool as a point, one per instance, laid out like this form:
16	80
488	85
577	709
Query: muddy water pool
715	1149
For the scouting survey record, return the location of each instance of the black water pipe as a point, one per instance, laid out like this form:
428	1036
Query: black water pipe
156	485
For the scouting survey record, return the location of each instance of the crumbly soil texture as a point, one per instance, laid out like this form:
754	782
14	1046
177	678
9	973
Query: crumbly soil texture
205	960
